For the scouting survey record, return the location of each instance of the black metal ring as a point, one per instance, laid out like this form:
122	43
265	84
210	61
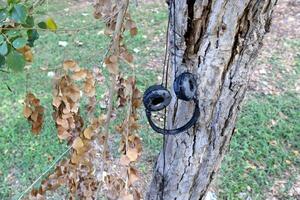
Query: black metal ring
185	127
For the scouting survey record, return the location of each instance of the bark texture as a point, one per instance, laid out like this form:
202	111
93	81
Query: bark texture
217	40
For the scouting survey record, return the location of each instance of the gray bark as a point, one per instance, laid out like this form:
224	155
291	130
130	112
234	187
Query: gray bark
217	40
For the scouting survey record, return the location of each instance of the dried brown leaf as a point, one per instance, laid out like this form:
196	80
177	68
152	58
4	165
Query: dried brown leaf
27	111
34	116
70	65
63	122
133	31
27	53
127	56
28	56
79	75
63	134
111	63
56	101
132	175
132	154
77	144
88	133
75	158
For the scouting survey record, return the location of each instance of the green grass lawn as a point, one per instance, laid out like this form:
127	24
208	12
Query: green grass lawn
263	148
266	143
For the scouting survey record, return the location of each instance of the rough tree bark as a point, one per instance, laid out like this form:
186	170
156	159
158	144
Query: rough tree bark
217	40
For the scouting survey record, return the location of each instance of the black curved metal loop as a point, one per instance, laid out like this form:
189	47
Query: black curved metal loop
185	127
185	86
156	98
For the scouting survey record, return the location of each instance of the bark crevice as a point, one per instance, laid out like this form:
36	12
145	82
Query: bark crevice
217	40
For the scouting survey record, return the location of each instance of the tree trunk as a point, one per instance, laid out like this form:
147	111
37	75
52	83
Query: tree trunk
217	40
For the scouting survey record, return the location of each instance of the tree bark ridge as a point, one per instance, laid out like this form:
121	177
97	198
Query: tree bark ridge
217	40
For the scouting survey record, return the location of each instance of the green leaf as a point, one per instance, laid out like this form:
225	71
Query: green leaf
3	49
2	61
12	33
19	43
15	61
1	39
51	25
12	1
3	15
29	22
19	13
32	36
42	25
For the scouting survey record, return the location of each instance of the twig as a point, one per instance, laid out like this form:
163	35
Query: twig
35	4
116	51
57	30
2	70
127	131
38	3
108	116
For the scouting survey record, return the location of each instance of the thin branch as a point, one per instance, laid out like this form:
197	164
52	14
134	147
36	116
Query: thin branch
38	3
129	111
116	51
2	70
58	30
45	172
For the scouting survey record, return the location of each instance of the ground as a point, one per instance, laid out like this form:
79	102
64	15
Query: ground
263	161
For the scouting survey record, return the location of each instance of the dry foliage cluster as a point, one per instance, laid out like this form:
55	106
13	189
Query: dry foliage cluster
33	112
77	172
120	184
90	170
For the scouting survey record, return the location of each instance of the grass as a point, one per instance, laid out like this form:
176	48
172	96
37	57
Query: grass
259	152
24	156
266	144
